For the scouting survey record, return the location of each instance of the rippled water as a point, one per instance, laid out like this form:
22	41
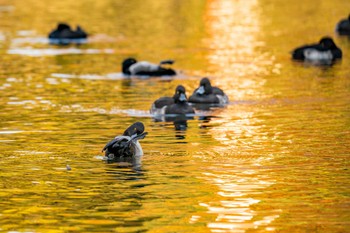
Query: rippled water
276	159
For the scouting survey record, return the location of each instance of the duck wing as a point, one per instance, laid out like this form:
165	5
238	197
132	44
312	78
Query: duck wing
163	101
111	143
121	144
118	146
218	91
143	67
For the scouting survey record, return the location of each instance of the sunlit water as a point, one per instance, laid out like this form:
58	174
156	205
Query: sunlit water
276	159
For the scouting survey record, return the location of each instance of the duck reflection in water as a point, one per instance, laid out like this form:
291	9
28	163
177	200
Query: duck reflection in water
205	120
126	149
126	190
173	109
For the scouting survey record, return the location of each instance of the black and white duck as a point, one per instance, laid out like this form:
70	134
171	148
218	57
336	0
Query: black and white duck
207	94
64	35
175	105
131	66
325	52
126	147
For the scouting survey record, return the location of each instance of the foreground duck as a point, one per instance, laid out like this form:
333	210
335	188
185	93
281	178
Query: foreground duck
173	105
126	147
325	52
343	27
64	35
207	94
131	66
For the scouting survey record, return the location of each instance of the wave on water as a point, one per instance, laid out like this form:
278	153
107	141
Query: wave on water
32	52
6	8
111	76
130	112
115	111
22	45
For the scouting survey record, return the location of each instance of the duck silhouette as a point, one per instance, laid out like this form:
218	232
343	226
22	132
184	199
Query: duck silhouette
131	66
64	35
343	27
325	52
207	94
126	147
173	105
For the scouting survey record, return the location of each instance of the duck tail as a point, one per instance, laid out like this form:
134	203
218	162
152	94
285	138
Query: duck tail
169	62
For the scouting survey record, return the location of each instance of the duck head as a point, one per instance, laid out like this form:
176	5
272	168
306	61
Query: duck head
204	87
180	94
136	131
327	43
127	63
63	26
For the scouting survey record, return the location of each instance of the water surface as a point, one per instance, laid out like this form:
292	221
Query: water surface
276	159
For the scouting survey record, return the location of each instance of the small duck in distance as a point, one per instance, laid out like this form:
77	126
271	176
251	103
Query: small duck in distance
131	66
175	105
207	94
343	27
64	35
325	52
126	147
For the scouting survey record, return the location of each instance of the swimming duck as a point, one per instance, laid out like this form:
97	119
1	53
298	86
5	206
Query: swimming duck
131	66
64	35
207	94
176	105
126	147
324	52
343	27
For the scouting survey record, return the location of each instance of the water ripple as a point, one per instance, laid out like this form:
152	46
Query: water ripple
32	52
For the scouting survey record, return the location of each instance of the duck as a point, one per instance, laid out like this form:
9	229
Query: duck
325	52
175	105
207	94
126	147
131	66
343	27
64	35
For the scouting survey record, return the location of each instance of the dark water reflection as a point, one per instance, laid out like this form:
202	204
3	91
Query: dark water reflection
275	159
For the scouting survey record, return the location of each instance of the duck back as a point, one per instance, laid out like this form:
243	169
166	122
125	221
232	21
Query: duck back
179	108
207	99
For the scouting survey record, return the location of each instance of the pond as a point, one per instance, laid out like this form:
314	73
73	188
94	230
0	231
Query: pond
275	159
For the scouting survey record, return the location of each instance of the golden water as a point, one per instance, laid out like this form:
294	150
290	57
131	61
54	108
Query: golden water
276	159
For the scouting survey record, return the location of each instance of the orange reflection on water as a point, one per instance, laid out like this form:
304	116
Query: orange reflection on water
233	28
237	185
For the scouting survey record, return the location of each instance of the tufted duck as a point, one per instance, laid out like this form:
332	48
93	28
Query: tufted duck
131	66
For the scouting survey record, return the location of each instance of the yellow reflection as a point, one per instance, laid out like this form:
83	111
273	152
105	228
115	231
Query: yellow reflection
233	27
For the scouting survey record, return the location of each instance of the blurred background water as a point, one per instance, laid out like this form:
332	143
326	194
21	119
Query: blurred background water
276	159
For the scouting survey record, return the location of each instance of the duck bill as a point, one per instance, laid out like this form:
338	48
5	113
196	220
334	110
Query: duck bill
182	97
200	90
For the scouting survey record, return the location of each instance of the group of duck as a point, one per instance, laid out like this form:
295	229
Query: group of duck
126	147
